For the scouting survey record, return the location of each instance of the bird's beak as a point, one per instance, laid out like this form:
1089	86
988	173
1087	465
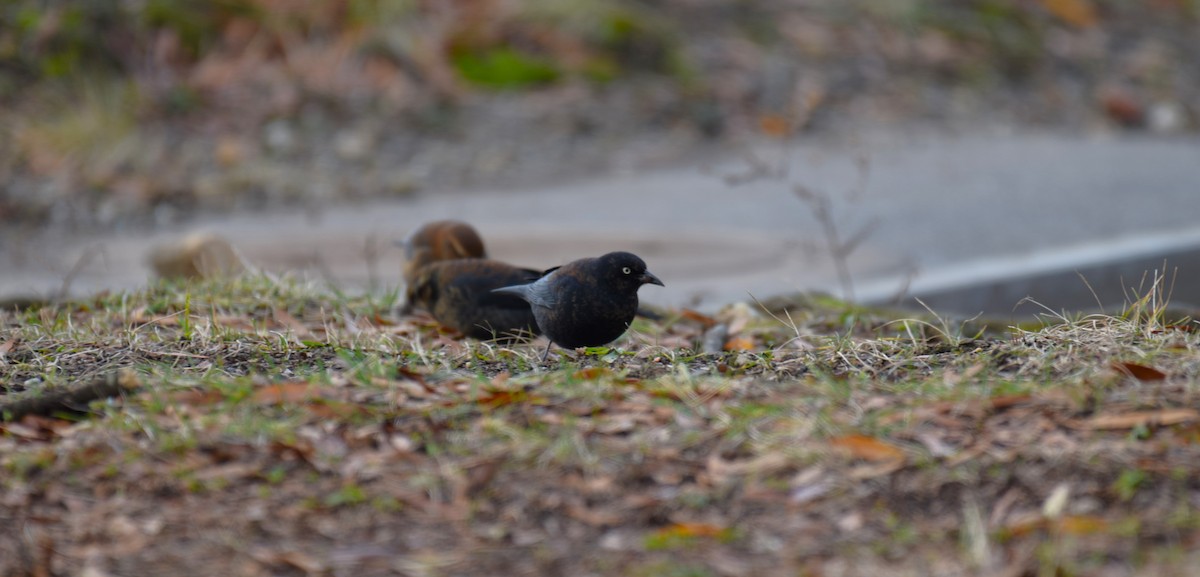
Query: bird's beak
649	278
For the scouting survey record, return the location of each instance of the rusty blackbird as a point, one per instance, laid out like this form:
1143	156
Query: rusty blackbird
437	241
447	274
587	302
458	293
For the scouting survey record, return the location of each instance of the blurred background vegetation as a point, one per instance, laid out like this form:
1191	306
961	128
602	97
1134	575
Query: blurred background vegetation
135	111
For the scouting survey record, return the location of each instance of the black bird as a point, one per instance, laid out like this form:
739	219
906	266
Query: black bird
587	302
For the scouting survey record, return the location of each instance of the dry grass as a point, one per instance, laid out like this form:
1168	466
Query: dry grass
280	430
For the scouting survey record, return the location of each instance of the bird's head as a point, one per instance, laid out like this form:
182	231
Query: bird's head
437	241
443	240
626	270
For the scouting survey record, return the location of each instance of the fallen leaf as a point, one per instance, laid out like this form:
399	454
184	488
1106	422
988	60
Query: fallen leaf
692	530
287	321
591	373
980	407
775	125
1111	421
935	445
300	448
22	431
229	151
737	316
765	463
1079	525
228	472
699	317
595	517
411	375
616	425
143	317
309	564
1122	108
196	398
1078	13
1189	435
1003	402
285	393
806	493
739	344
496	399
1068	525
868	448
872	470
1140	372
330	409
1057	501
1024	525
48	424
1183	328
234	322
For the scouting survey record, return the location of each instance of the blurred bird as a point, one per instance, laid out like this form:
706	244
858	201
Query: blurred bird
438	241
448	275
458	293
587	302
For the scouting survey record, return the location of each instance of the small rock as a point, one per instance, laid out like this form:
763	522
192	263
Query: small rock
714	339
850	522
229	151
353	144
279	137
1167	118
199	255
614	541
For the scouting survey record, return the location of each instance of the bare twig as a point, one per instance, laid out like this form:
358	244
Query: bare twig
72	398
839	249
83	260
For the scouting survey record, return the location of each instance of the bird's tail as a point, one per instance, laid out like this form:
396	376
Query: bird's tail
515	290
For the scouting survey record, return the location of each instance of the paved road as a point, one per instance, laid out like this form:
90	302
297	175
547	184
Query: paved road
944	212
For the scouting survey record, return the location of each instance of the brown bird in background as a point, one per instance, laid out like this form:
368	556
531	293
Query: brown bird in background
440	240
447	275
587	302
458	293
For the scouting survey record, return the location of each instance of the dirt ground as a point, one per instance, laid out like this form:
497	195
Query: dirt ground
318	437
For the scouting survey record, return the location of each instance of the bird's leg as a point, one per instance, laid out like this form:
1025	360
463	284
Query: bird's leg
546	355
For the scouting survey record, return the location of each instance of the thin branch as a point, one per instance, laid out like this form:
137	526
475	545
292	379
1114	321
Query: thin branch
73	398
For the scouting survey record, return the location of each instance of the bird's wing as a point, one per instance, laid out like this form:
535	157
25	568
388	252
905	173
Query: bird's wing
534	274
536	293
539	294
502	299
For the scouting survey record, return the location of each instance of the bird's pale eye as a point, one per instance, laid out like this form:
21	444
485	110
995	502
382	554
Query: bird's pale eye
626	270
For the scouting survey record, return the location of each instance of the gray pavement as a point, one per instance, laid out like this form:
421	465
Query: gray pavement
972	221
